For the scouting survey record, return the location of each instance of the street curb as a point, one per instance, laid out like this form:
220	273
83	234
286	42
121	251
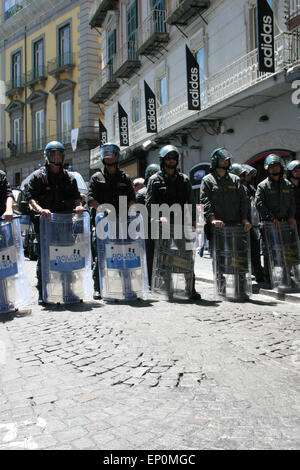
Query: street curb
270	293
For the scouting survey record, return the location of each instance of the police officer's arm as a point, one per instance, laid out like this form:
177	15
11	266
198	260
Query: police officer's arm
244	208
78	209
7	191
91	197
206	201
32	195
261	205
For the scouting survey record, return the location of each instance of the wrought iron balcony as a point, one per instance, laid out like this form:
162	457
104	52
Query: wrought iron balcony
15	85
153	33
62	63
99	11
239	76
18	5
36	75
182	11
126	60
292	13
104	85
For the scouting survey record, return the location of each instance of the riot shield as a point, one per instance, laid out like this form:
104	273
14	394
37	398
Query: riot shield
283	247
121	258
14	287
66	258
232	263
173	265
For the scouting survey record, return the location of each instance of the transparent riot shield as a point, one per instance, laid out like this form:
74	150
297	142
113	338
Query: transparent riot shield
200	238
66	258
283	247
25	226
121	258
173	265
14	287
232	263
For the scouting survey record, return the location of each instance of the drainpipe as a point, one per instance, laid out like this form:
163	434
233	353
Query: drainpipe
25	88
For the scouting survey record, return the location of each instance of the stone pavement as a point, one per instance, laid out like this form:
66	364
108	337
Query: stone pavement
204	273
151	375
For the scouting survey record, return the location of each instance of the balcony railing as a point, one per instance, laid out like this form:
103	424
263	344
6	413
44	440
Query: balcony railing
292	13
126	60
18	5
104	85
35	75
181	11
15	85
99	11
64	62
233	79
153	33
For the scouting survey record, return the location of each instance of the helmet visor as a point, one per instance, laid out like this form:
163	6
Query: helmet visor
171	156
224	154
55	157
109	151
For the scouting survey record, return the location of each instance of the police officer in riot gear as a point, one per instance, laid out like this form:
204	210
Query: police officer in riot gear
293	175
275	200
106	186
246	173
52	190
140	199
222	194
150	170
169	186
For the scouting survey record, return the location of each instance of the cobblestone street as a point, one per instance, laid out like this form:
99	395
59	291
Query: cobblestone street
151	375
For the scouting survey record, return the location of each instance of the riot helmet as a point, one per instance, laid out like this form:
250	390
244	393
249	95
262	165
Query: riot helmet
109	151
151	170
293	165
220	153
54	153
274	159
169	152
250	170
237	169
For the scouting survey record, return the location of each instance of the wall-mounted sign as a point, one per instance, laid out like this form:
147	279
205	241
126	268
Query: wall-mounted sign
193	81
123	126
197	173
265	37
102	134
150	104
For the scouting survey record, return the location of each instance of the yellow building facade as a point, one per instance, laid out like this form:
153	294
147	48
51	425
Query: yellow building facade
48	57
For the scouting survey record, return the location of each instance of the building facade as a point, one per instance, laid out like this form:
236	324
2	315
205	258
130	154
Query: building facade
249	112
48	58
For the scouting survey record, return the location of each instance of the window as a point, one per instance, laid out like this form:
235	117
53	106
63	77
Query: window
162	90
39	129
158	7
17	132
38	59
132	24
65	45
11	7
16	70
111	50
66	120
135	103
253	26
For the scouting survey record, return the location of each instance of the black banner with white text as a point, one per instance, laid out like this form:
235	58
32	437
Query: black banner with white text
150	104
193	81
123	126
265	37
102	133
